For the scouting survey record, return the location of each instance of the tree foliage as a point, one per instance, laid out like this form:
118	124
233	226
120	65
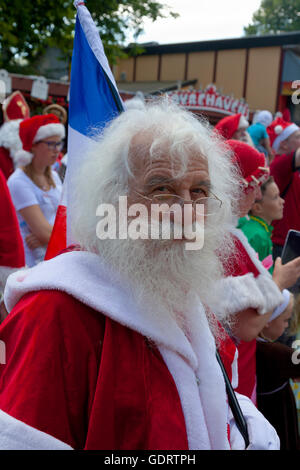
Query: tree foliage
28	27
275	16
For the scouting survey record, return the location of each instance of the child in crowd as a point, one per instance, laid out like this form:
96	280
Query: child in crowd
275	366
257	225
259	135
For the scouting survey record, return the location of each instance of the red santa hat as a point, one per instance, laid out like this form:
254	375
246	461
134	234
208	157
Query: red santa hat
33	130
251	163
15	107
286	115
280	130
230	124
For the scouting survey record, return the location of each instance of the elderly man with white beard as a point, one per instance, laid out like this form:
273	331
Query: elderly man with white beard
112	345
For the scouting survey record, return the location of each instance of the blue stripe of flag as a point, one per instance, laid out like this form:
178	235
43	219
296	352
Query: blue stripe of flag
93	98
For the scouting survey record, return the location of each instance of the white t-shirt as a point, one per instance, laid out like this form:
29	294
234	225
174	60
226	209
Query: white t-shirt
25	193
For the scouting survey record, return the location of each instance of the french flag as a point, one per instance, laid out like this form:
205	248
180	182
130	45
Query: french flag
94	101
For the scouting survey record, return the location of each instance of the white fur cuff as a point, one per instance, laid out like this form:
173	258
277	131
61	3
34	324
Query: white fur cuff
241	292
16	435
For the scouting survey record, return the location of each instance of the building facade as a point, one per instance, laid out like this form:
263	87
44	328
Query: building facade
259	70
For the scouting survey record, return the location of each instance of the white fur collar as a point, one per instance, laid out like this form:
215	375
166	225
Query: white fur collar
193	364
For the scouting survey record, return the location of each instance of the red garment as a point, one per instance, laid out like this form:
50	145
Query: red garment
6	162
11	243
227	350
286	175
247	369
95	385
240	266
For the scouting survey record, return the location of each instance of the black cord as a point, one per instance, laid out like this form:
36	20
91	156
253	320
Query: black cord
234	404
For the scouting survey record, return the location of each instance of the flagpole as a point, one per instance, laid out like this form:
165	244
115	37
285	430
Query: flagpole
94	101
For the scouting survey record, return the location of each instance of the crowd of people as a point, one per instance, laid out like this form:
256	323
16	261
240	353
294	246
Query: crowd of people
139	343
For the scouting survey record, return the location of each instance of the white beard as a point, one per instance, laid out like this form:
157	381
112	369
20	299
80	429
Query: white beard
167	278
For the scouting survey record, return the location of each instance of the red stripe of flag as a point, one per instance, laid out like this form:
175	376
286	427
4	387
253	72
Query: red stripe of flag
58	240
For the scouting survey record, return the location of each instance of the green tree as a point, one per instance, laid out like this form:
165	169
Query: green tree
275	16
28	27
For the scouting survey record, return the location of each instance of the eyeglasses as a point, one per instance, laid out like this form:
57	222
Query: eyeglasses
53	145
212	204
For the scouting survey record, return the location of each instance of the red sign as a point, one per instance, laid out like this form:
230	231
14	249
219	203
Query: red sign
210	100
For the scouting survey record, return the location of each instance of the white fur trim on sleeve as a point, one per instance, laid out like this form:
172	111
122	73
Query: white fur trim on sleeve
241	292
237	293
16	435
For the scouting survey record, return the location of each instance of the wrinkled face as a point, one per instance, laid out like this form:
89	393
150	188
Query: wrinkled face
47	150
291	144
271	206
163	176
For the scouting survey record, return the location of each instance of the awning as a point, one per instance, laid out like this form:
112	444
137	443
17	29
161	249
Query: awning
153	88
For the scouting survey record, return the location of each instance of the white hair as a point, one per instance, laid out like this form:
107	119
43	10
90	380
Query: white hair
159	268
137	102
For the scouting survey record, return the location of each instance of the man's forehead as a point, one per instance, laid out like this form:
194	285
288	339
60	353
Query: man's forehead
142	156
158	179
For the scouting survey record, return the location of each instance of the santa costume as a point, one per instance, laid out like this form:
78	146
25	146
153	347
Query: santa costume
87	368
287	177
15	109
248	284
230	124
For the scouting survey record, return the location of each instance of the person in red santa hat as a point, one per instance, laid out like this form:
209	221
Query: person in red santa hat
113	345
234	127
11	244
15	109
249	293
285	168
34	187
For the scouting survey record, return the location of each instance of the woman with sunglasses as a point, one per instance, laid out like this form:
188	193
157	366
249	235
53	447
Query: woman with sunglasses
35	188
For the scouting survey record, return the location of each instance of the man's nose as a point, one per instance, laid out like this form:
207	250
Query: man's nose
189	212
188	207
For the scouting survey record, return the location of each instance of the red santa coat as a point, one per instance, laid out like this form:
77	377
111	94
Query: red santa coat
287	177
117	400
247	285
80	378
80	373
6	162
